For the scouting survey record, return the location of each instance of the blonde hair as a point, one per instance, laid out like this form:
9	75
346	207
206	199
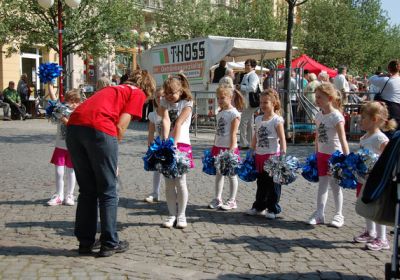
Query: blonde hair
274	96
181	80
376	109
73	95
160	91
237	97
143	80
329	90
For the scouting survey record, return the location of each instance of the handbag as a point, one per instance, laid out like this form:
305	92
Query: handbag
378	96
381	210
254	98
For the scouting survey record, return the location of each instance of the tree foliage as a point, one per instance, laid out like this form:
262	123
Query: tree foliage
95	26
355	33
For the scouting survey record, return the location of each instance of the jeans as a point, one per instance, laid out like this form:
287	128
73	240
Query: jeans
268	194
94	155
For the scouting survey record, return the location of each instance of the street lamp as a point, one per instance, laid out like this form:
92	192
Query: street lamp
143	37
46	4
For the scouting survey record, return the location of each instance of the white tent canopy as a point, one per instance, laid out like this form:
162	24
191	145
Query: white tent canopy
196	56
237	66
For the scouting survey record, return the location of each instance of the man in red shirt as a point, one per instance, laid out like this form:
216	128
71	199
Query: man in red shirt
93	132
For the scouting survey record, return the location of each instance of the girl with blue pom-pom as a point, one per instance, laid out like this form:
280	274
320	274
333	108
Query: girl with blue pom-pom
374	116
61	157
330	137
176	112
228	119
155	129
268	140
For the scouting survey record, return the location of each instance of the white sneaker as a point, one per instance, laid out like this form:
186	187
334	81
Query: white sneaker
69	200
151	199
215	203
169	222
229	204
54	200
254	212
270	216
338	221
316	219
181	223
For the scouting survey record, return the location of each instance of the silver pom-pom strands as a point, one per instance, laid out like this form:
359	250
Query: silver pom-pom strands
283	169
227	163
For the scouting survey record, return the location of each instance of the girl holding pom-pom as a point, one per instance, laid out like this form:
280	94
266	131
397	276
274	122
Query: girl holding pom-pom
176	112
374	116
268	140
155	129
228	119
61	157
330	137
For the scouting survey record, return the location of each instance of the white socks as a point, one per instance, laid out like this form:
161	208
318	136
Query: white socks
176	193
156	184
70	178
219	185
322	197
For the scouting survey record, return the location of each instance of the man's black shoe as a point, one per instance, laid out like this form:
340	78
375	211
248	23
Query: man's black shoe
105	251
85	250
96	245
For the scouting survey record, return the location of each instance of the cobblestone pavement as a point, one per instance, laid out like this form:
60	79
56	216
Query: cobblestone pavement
37	241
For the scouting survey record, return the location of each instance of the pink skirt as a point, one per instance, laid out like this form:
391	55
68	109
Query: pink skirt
61	157
186	148
260	160
323	163
216	150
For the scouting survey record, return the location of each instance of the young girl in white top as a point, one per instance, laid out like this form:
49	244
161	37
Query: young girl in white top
374	115
330	136
176	112
61	158
228	119
155	130
268	140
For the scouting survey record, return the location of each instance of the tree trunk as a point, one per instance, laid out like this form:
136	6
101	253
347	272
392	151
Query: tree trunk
288	66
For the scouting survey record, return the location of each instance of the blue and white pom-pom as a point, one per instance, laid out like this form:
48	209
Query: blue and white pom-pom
247	170
208	163
56	111
342	167
163	157
366	162
310	169
282	169
48	72
227	163
160	153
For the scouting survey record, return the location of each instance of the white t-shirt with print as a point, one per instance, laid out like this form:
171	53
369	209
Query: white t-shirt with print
266	134
174	111
156	120
60	137
374	142
224	125
328	139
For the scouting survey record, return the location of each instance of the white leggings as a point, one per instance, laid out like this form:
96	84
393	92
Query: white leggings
322	197
176	193
156	184
70	178
219	186
373	228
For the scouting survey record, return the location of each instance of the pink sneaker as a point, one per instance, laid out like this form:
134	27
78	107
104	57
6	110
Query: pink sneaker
54	200
230	204
364	237
378	244
316	219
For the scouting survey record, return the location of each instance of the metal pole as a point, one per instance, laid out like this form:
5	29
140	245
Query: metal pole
60	51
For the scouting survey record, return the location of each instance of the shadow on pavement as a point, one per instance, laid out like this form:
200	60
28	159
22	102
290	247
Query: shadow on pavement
35	251
295	275
63	228
33	139
24	202
278	245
